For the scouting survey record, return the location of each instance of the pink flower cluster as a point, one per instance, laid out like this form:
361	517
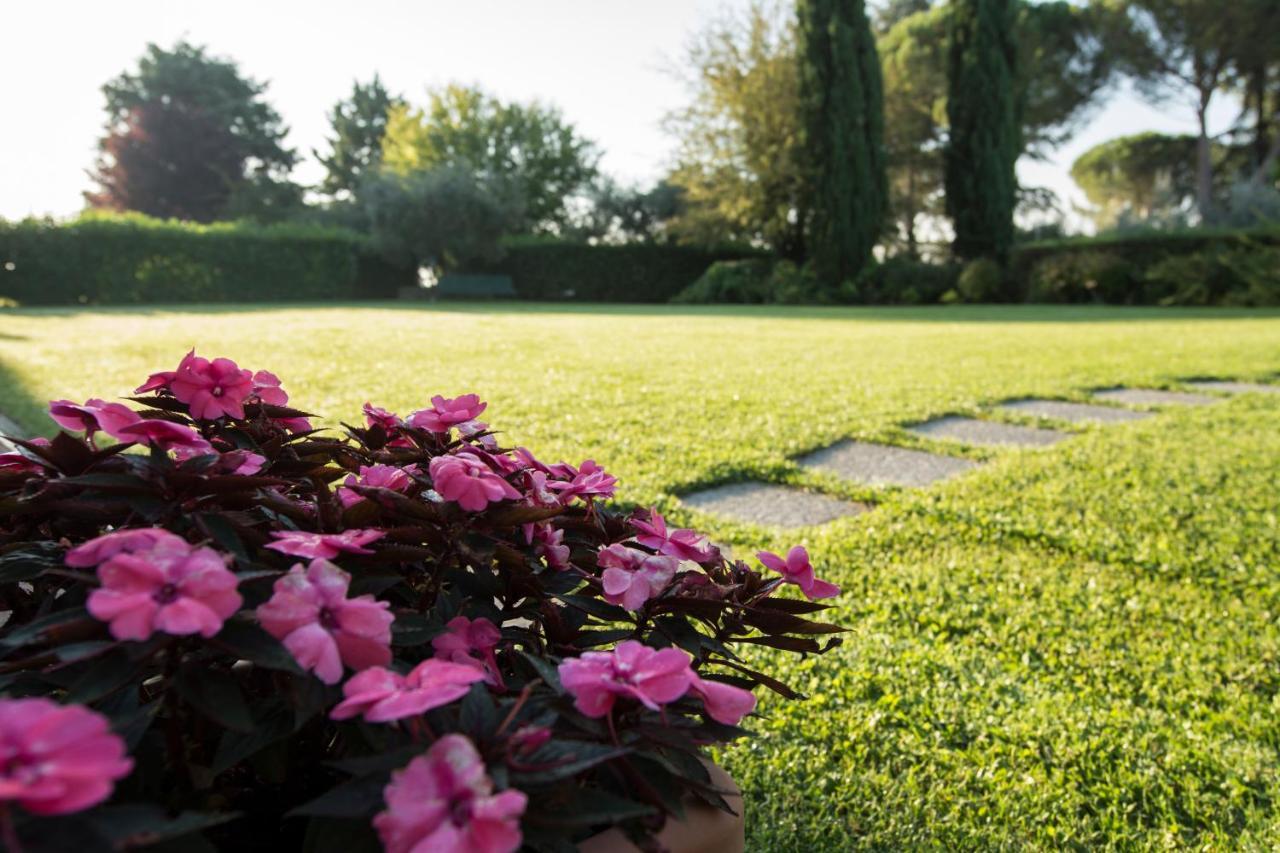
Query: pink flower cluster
445	414
217	388
381	696
796	569
324	546
57	759
153	580
466	480
632	577
471	642
321	627
381	476
123	424
652	677
443	802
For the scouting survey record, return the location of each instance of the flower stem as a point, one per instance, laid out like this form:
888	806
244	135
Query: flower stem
8	832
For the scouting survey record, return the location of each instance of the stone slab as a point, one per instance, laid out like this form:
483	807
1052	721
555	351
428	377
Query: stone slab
885	465
1228	387
772	505
989	433
1153	397
1076	413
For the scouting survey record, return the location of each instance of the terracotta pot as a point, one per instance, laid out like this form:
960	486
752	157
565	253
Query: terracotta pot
704	830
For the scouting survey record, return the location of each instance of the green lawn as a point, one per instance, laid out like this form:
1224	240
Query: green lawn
1071	647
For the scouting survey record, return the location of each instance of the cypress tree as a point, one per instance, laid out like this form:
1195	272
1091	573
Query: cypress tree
843	132
981	187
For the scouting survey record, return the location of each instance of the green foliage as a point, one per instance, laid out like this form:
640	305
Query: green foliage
544	268
440	218
1247	275
739	164
619	214
842	129
359	123
1088	276
528	154
118	260
755	281
185	133
903	280
985	140
981	280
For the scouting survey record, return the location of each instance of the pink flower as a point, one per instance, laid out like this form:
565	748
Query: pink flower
470	483
382	476
57	759
321	627
326	546
550	545
443	802
164	589
445	413
266	387
381	695
95	415
796	569
134	540
156	382
241	463
471	643
682	544
375	416
652	677
166	435
589	481
211	389
293	424
633	577
724	703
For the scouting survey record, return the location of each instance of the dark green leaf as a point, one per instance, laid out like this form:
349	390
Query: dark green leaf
355	798
216	695
102	676
597	607
249	642
138	824
235	747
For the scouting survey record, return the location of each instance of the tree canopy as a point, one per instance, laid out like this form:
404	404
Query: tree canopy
359	123
186	134
526	153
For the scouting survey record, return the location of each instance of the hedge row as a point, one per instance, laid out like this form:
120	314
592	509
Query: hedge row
543	269
131	260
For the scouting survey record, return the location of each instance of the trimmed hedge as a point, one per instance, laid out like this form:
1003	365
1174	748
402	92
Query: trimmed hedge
547	269
132	259
1125	268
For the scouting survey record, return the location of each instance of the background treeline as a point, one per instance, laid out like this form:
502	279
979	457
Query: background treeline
828	153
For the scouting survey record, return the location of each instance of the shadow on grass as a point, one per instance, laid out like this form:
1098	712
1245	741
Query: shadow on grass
907	314
20	406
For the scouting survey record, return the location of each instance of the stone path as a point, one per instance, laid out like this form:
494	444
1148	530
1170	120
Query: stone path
772	505
987	433
1061	410
885	465
1228	387
1153	397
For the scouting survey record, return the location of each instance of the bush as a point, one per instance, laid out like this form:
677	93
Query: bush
549	269
1125	264
496	639
101	260
1218	275
981	280
905	281
730	283
1094	276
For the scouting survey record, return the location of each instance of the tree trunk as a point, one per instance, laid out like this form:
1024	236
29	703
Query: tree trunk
1204	163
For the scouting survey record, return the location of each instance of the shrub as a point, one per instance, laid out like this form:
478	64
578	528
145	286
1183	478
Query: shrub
729	282
1096	276
905	281
981	280
101	260
548	269
266	635
1218	275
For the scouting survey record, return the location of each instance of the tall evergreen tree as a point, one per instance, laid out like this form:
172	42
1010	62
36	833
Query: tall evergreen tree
985	139
842	125
359	123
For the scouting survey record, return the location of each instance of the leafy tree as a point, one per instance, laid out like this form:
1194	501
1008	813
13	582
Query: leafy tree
842	126
985	138
1255	76
1176	48
441	218
738	164
185	132
359	124
525	153
890	12
617	214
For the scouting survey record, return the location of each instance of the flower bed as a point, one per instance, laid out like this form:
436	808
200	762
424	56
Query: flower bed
409	636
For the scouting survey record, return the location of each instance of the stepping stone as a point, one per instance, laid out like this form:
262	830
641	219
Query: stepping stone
885	465
1227	387
1061	410
772	505
1153	397
973	431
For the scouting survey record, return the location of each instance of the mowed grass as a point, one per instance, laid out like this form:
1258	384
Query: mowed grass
1070	647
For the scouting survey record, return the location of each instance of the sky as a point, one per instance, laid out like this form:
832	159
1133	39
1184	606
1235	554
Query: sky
611	66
